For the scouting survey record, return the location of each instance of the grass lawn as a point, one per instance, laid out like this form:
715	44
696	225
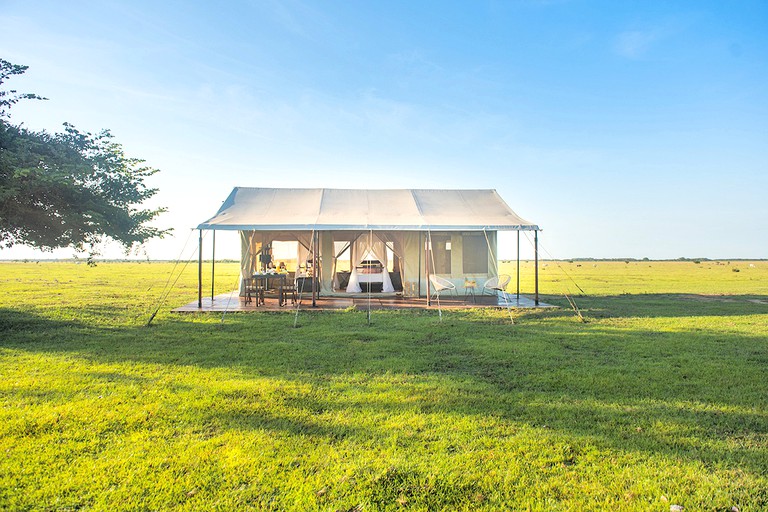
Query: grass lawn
660	399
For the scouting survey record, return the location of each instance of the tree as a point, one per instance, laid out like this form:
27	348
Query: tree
69	189
9	98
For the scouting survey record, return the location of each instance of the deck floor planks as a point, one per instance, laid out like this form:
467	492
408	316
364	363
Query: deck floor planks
230	302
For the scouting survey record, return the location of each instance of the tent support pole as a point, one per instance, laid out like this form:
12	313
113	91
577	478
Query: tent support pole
370	244
418	293
315	237
518	267
200	269
213	263
536	253
427	251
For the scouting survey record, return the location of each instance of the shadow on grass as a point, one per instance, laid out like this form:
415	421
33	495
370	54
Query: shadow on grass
693	394
659	305
249	417
14	322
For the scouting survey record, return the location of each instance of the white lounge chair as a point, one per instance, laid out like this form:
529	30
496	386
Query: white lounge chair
497	284
440	284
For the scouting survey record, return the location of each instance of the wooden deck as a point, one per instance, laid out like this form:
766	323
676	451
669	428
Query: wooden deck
232	303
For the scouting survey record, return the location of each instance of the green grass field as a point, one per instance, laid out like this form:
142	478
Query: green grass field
659	399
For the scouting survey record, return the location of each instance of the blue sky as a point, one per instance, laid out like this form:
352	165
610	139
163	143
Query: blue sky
624	129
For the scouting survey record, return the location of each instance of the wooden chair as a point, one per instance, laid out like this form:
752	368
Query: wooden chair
253	286
289	288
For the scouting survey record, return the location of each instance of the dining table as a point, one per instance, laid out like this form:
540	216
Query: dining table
272	281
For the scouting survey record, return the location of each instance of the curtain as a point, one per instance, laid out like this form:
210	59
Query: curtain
303	255
369	246
246	257
396	240
336	254
413	250
251	243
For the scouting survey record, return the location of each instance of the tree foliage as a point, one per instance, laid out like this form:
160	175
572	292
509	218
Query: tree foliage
69	189
9	98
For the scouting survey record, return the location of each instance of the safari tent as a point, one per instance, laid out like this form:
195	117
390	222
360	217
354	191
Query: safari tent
378	241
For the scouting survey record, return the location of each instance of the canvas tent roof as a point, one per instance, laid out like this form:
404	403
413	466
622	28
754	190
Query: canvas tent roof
272	209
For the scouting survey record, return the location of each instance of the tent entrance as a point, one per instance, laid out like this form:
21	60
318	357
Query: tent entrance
365	262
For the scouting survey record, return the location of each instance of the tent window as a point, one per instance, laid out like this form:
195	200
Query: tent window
475	254
441	252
